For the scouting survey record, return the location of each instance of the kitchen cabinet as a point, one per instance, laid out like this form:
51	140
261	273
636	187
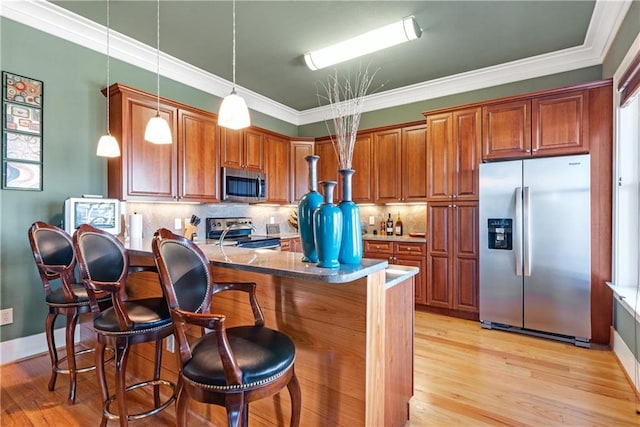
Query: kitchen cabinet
452	256
402	253
545	125
362	179
290	244
299	169
276	162
453	155
399	159
242	149
197	157
184	170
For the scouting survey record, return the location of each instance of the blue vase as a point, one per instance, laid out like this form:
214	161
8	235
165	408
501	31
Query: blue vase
307	205
327	228
351	247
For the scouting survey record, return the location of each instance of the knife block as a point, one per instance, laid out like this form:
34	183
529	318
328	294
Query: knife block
190	231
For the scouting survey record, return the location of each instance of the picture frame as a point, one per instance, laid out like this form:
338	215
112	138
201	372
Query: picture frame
21	175
22	142
20	89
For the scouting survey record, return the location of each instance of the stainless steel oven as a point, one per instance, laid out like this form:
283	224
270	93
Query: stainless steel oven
238	232
239	185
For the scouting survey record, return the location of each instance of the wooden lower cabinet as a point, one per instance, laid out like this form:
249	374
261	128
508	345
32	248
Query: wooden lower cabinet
452	256
402	253
291	244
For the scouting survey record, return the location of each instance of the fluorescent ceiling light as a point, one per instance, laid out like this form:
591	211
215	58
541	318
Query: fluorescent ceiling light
381	38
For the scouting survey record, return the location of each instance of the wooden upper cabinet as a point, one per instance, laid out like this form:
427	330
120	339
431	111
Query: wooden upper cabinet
560	124
467	134
506	130
299	169
144	171
241	149
276	160
328	166
362	191
545	125
453	155
414	171
197	157
388	165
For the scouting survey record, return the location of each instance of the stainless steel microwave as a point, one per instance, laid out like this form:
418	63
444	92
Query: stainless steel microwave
239	185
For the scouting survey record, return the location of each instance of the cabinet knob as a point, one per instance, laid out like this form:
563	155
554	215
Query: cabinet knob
527	151
455	196
535	149
450	206
408	249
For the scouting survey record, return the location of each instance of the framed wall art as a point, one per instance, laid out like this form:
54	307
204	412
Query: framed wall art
21	132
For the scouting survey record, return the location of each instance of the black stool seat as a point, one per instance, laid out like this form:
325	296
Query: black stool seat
262	354
144	314
58	298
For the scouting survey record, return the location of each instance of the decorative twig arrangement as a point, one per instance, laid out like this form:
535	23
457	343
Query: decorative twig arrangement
346	99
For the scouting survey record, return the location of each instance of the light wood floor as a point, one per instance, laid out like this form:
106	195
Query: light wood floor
464	376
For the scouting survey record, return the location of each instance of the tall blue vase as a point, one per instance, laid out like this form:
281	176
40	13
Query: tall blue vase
327	228
351	247
307	205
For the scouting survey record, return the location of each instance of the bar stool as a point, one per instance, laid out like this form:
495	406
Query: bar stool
229	367
104	266
55	259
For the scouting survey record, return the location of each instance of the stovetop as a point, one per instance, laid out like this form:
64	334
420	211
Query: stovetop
239	231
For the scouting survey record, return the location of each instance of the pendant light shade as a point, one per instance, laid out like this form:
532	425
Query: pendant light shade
234	113
158	130
107	145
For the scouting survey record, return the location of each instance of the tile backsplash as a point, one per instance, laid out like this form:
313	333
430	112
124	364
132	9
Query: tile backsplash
157	215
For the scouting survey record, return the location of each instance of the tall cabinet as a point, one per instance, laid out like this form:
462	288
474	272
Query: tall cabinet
453	157
183	170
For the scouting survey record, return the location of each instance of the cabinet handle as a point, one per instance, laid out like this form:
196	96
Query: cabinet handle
455	196
450	206
408	249
527	151
535	149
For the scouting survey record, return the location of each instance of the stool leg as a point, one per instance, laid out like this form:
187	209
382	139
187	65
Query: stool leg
296	400
156	372
234	404
72	320
122	352
101	345
53	353
181	405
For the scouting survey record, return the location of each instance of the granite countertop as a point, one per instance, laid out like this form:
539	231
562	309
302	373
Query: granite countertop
285	264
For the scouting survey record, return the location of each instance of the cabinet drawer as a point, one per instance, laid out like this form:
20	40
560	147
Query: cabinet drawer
410	248
378	246
285	245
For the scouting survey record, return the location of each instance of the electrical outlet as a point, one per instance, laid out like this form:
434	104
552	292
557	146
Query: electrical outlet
6	316
372	220
177	224
171	343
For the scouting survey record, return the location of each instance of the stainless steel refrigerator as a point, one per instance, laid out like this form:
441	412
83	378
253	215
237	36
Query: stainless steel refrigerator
535	226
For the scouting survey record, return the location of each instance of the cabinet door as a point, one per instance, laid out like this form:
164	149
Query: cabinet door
362	179
387	165
327	165
231	150
253	150
420	296
439	249
439	145
506	130
378	249
296	245
560	124
299	170
465	257
277	169
197	157
467	135
414	164
151	168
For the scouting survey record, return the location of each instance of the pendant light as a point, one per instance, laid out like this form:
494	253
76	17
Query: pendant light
234	113
158	131
107	145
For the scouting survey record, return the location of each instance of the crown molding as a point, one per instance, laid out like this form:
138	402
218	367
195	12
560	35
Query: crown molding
40	14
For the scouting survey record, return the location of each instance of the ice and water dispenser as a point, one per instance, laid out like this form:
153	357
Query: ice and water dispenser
500	233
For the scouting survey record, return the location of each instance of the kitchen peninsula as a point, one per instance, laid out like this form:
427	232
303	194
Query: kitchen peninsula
352	327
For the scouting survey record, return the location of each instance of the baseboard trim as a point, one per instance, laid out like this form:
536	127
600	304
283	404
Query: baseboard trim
33	345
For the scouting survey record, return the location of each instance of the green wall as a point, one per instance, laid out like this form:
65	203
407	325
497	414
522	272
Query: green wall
627	33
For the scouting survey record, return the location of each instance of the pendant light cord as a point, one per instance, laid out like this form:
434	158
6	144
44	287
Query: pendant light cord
233	61
108	71
158	57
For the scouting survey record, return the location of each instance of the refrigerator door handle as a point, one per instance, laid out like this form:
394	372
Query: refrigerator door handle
527	231
518	232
